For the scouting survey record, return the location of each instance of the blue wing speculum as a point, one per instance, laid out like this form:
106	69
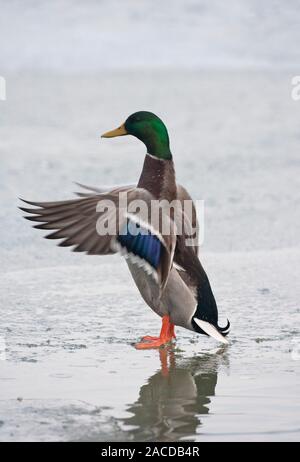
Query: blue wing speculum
140	245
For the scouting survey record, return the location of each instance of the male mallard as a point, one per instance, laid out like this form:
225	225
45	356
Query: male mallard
166	270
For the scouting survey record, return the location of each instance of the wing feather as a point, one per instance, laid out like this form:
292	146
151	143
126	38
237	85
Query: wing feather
74	222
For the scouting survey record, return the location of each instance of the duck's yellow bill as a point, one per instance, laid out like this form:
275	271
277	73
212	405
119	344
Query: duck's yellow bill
120	131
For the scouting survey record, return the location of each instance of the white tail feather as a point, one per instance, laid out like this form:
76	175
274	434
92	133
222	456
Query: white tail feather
210	330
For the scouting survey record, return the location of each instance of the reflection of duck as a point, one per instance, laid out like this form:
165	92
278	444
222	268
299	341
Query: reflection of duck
169	404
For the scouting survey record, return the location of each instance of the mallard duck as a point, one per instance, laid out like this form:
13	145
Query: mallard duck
166	270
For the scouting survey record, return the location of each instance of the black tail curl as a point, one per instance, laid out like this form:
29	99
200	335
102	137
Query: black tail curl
224	330
207	309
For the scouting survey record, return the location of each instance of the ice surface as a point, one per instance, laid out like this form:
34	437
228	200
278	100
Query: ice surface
68	330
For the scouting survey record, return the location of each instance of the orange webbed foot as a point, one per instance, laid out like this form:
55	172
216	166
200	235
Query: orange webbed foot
152	344
148	338
167	334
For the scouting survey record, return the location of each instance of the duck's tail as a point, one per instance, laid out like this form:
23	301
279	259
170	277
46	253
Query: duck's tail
205	318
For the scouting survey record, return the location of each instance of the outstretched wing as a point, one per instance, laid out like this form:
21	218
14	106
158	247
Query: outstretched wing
109	222
91	190
74	221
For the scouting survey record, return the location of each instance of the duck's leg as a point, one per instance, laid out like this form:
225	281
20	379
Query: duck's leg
165	321
166	335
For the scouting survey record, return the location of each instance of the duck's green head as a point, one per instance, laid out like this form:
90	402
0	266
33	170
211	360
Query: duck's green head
148	128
